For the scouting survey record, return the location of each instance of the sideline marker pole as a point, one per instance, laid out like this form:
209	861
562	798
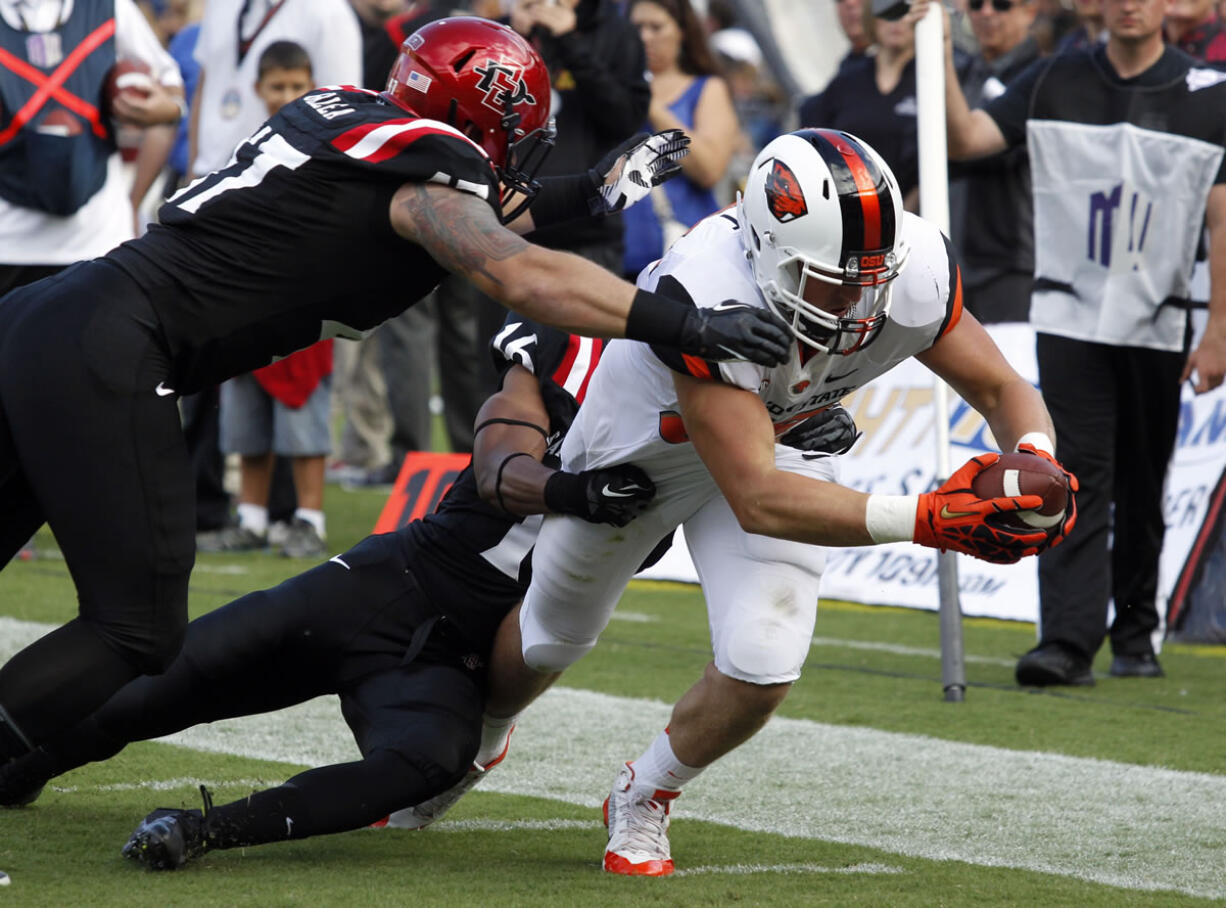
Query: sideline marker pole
934	206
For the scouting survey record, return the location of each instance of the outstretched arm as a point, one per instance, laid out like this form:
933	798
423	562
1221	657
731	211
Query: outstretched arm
462	233
732	433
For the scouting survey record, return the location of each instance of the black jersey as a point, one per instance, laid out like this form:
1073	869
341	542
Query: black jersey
471	558
292	242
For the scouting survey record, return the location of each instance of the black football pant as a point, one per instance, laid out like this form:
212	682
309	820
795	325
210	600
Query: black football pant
88	446
357	626
1116	412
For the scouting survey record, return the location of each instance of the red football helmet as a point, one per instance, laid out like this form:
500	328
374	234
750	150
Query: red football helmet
484	79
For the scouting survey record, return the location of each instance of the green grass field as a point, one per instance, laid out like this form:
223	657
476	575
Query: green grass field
867	789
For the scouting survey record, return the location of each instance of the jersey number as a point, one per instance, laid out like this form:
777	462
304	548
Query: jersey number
253	160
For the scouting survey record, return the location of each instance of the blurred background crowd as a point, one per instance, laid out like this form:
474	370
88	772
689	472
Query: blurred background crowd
733	73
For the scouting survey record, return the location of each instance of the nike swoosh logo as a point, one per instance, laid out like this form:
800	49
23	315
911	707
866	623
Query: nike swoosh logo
163	391
839	377
728	307
338	560
947	514
608	491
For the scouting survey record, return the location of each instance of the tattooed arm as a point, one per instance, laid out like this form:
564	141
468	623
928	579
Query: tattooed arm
461	233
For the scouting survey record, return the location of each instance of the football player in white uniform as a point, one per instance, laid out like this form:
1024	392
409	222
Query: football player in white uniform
819	237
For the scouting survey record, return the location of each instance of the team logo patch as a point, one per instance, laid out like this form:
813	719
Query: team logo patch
503	85
783	196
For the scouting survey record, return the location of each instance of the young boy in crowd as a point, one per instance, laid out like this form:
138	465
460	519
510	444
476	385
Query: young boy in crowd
281	409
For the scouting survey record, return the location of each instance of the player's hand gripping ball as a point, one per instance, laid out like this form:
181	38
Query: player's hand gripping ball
1024	474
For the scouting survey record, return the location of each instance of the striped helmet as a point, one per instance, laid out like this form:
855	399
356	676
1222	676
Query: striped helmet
821	205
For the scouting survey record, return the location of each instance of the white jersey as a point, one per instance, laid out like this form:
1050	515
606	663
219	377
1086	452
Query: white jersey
632	413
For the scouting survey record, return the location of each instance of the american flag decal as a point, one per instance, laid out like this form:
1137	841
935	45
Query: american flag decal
419	81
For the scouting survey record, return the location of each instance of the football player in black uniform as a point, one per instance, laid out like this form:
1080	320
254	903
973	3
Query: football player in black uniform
342	210
400	626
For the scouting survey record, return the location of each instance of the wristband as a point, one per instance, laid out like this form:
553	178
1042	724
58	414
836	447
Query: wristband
564	494
1039	440
656	319
498	478
891	518
563	199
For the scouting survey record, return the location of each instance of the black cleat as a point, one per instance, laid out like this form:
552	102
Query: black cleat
22	780
167	839
1052	664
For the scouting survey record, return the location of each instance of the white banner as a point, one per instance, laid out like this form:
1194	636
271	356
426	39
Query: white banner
897	456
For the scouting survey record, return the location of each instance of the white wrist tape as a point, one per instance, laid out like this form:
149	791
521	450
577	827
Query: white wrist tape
1039	440
891	518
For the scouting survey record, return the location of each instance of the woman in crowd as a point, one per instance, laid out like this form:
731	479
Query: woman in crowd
686	93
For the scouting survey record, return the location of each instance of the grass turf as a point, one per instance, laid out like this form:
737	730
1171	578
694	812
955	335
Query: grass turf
872	668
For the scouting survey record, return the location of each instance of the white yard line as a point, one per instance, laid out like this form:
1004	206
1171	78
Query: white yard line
1124	825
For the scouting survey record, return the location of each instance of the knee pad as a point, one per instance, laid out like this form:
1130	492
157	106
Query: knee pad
542	651
442	754
762	653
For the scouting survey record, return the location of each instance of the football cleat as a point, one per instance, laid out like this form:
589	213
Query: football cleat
422	815
168	838
638	829
22	779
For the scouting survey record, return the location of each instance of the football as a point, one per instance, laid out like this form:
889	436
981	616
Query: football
60	122
1026	474
131	77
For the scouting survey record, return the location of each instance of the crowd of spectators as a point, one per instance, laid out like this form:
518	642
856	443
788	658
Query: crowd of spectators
617	67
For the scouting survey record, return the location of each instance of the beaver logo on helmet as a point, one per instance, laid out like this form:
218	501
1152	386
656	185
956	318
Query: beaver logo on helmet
783	196
503	85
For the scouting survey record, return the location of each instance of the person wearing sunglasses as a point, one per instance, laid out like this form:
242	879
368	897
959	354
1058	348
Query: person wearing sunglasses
995	236
1127	145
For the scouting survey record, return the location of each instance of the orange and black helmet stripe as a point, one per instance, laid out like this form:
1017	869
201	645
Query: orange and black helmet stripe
865	195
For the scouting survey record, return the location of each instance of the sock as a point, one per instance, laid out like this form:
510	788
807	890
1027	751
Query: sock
495	733
253	517
314	518
658	769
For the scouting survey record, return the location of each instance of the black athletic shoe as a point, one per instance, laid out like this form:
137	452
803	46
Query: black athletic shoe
1139	665
22	780
168	838
1052	664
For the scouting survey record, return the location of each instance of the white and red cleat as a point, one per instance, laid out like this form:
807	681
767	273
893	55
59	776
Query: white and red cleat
638	829
422	815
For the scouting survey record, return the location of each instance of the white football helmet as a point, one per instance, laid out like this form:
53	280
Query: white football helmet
822	205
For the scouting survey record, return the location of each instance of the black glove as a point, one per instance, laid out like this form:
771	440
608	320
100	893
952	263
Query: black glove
831	431
734	331
628	172
615	495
